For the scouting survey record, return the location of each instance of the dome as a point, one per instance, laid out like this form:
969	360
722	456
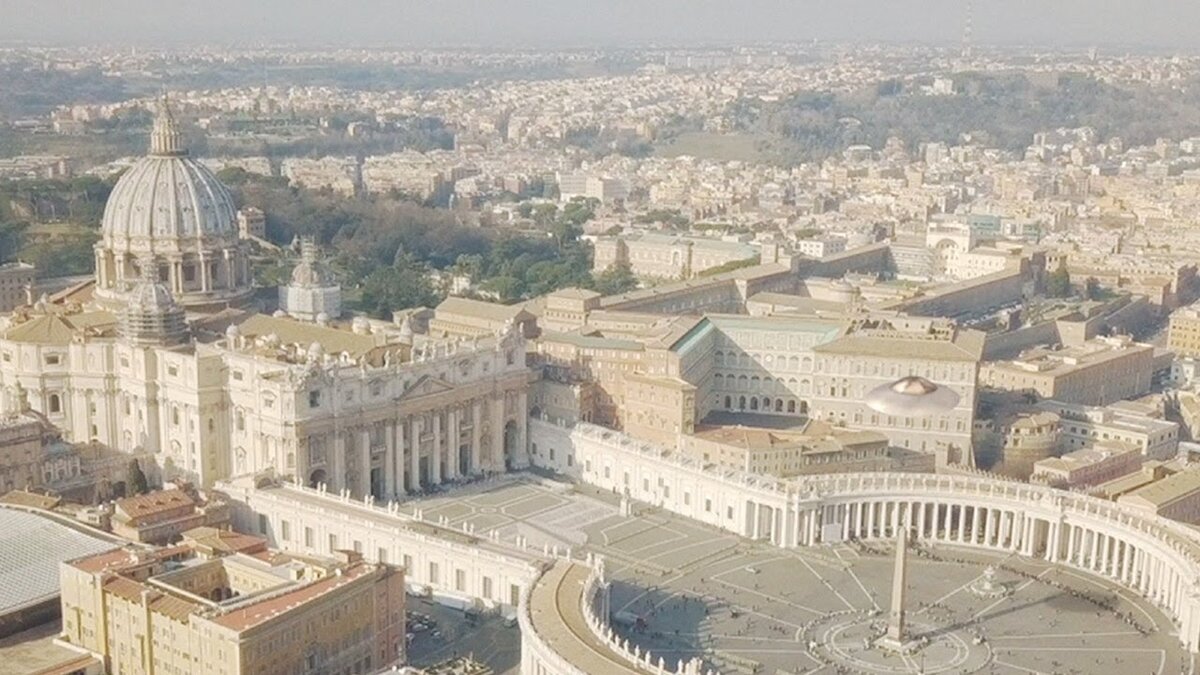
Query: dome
151	315
170	209
167	197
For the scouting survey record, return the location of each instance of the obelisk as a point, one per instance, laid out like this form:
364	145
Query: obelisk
895	631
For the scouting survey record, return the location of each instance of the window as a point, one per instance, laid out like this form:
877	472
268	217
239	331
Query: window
382	555
172	370
314	399
55	404
53	359
308	537
263	524
460	580
285	530
332	543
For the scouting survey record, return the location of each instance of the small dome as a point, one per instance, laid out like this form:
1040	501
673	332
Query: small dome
311	272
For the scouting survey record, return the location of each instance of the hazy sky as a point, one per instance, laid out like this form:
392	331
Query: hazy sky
1164	23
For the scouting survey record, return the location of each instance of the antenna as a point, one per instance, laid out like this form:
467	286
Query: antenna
967	21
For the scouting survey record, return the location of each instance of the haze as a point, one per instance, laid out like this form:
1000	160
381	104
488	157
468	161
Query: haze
1161	24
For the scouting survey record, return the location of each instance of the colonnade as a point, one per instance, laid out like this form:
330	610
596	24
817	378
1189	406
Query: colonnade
395	456
1153	556
1154	559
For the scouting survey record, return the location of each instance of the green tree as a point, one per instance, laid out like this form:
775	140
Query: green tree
616	279
1058	282
135	480
12	240
401	286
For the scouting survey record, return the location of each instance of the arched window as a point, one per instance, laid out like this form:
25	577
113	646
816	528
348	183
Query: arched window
240	420
753	403
791	406
55	404
728	403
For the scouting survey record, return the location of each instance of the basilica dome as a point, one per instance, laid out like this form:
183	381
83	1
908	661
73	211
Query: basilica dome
169	210
167	200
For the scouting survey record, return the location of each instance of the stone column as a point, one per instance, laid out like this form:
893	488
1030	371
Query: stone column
364	457
870	520
389	460
497	458
338	479
521	452
205	283
962	523
398	432
476	435
414	446
452	448
435	457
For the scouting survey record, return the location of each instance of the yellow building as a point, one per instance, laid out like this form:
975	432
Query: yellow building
232	607
1183	336
1098	372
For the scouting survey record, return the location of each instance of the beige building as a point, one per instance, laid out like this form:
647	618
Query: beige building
252	223
158	362
162	516
27	459
233	609
16	285
1176	497
664	256
466	318
1098	372
1082	426
1183	336
788	453
1101	463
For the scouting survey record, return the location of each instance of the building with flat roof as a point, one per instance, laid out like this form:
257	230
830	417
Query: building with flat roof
784	453
1103	462
1098	372
1082	426
1176	497
197	609
1183	333
668	256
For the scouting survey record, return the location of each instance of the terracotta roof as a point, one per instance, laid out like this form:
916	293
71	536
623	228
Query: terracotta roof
173	607
154	502
261	612
225	540
123	587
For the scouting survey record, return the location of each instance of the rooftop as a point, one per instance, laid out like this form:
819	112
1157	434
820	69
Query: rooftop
31	548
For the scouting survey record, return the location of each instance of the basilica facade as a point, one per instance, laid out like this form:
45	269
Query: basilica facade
164	353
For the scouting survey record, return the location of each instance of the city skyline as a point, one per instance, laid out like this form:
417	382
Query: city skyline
1156	25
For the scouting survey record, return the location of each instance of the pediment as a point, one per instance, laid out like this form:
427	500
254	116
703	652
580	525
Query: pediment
427	385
